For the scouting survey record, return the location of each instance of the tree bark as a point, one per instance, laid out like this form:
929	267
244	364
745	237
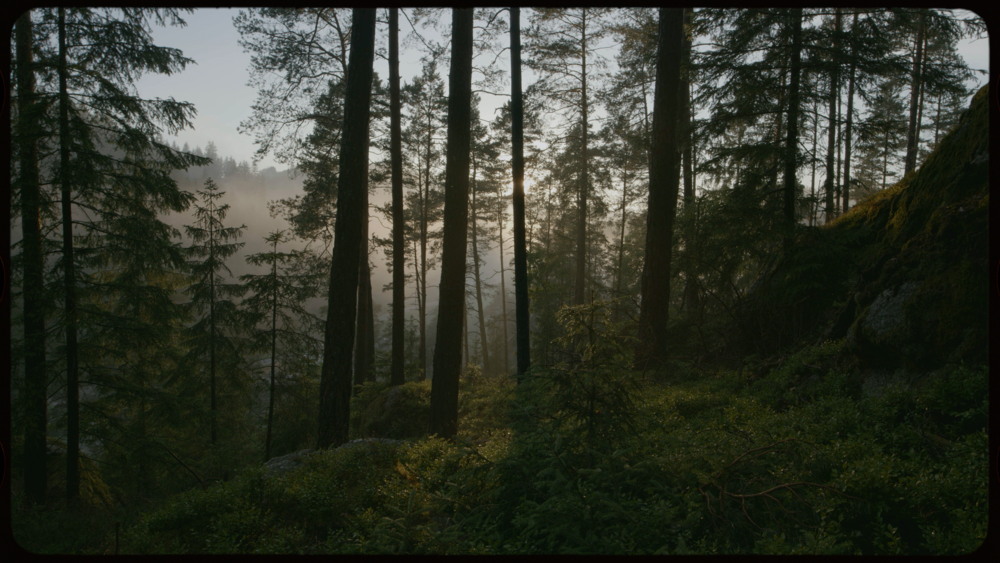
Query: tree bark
664	180
451	304
503	289
335	375
831	141
579	288
849	125
792	140
35	375
481	316
916	80
274	347
517	164
69	277
396	376
690	300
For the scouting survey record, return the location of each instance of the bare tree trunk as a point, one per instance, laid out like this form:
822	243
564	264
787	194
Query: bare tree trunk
687	164
850	122
581	221
69	278
517	162
792	141
503	290
396	376
27	130
274	348
664	179
483	342
916	81
621	233
335	375
451	304
831	144
812	186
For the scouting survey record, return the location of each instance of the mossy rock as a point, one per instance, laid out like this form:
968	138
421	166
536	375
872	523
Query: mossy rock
398	412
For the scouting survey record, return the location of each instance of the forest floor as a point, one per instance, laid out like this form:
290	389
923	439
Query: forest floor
806	456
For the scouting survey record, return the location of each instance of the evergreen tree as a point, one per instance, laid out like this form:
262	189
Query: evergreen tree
277	299
27	186
562	47
517	165
338	343
108	150
451	304
397	376
425	100
663	186
296	55
218	319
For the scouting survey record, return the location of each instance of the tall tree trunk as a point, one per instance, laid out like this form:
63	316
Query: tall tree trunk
687	164
792	141
274	347
35	376
483	342
849	125
335	375
916	81
831	144
213	419
451	304
421	307
396	375
621	233
885	159
503	290
812	183
579	287
664	179
69	278
424	197
362	366
517	165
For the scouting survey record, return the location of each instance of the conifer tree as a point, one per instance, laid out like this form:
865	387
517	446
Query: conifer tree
451	304
563	50
218	318
107	148
517	166
338	343
396	376
27	186
426	104
277	299
664	180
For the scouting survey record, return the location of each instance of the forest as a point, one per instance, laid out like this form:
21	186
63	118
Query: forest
676	281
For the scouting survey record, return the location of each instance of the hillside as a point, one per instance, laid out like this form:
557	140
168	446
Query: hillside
903	276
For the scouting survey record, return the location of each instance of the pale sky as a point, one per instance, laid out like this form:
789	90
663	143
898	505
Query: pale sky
217	83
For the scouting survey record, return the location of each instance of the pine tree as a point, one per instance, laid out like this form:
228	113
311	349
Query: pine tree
663	186
447	353
338	343
397	376
425	100
563	50
517	165
296	54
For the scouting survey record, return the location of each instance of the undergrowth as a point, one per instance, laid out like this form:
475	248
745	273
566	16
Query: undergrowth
804	456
